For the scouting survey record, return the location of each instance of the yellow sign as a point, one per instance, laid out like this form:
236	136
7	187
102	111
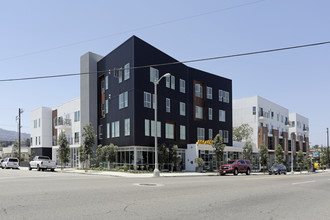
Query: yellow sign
207	142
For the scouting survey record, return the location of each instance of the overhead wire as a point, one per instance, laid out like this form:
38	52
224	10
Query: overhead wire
131	30
170	63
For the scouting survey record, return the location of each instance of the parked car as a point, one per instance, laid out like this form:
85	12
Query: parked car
42	163
277	169
1	162
9	162
236	167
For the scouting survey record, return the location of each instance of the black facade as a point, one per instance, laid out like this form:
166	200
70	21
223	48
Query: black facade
138	53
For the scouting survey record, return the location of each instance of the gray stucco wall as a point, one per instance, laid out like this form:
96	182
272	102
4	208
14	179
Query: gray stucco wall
88	89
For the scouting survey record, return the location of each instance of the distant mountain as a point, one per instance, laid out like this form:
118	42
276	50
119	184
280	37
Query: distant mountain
6	135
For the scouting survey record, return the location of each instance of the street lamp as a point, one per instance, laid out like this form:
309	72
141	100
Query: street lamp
156	170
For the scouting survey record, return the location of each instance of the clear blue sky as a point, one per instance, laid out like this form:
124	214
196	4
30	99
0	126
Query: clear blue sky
297	79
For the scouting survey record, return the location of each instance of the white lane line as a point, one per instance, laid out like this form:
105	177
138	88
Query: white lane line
303	182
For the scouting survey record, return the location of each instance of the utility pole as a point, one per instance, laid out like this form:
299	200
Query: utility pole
328	159
327	137
20	111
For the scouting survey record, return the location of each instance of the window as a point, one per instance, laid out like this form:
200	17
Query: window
106	106
147	99
226	97
220	95
127	127
106	82
76	137
39	122
209	92
39	140
152	128
123	100
198	112
115	129
172	82
154	74
278	117
153	101
199	90
182	86
35	123
77	116
182	132
210	114
126	71
254	110
100	132
169	131
168	82
282	118
200	134
182	108
147	127
221	134
225	136
120	75
108	130
222	115
168	105
210	134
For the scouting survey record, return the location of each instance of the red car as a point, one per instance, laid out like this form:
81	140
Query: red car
235	167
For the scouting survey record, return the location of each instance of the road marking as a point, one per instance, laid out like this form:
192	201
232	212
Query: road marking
312	181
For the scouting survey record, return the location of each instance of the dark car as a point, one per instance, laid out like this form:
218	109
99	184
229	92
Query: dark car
235	167
277	169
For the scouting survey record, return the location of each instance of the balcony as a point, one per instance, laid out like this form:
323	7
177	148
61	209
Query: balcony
62	123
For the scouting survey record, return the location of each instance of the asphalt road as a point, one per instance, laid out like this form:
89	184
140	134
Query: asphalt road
55	195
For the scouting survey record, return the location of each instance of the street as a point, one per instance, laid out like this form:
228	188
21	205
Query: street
56	195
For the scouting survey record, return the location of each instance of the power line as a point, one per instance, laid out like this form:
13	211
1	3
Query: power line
171	63
131	30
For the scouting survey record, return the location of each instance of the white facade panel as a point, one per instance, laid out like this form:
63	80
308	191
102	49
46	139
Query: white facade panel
41	127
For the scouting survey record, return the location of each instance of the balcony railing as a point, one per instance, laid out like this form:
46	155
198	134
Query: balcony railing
62	122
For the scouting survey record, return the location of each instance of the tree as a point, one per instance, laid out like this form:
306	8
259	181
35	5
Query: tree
300	160
14	150
200	163
264	157
323	157
162	155
308	161
247	151
110	152
279	155
64	149
173	156
219	148
242	132
27	142
89	141
82	156
99	154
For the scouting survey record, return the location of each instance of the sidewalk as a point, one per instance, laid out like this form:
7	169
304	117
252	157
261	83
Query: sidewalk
182	174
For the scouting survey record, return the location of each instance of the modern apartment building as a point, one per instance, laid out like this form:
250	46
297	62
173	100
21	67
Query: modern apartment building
66	118
47	124
119	102
41	131
272	125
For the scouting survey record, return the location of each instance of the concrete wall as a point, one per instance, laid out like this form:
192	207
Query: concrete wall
88	89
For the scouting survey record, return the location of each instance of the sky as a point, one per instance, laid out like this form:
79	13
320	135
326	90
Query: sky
40	38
